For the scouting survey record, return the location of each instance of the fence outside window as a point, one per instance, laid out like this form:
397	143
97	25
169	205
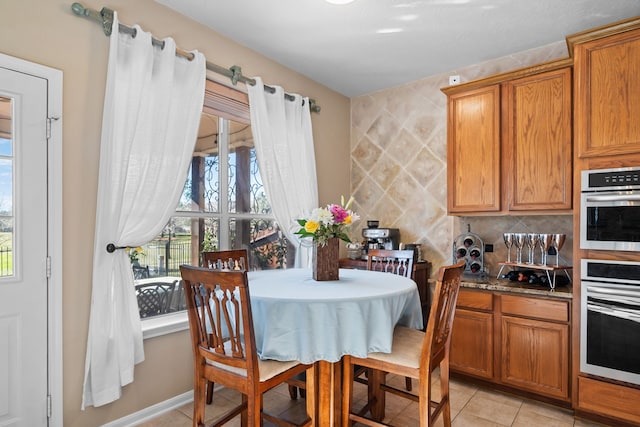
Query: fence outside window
6	262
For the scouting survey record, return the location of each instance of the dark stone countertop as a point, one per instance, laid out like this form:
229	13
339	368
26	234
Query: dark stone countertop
501	285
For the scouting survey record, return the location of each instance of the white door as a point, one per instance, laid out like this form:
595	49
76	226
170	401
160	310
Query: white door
23	250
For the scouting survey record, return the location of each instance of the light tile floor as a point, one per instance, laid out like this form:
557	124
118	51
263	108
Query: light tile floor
470	406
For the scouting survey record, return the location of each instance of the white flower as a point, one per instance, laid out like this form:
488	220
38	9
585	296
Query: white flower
322	216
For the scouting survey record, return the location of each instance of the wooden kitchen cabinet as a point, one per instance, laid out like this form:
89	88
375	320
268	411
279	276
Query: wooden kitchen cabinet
536	133
535	356
514	341
509	143
473	151
472	336
611	400
606	135
607	93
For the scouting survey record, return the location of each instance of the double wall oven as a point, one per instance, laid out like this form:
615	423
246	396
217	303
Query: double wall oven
610	289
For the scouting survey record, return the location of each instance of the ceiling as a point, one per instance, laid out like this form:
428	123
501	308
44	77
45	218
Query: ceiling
369	45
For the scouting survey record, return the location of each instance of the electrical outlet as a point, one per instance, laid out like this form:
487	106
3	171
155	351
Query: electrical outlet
454	80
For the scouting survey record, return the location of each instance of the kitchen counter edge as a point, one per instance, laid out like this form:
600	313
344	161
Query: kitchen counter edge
507	286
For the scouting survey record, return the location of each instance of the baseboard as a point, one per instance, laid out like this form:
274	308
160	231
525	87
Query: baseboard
153	411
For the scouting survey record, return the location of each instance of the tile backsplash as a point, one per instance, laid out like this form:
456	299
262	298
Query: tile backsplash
491	229
398	165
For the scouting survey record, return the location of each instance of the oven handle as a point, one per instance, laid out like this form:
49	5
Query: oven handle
612	197
615	295
614	291
615	313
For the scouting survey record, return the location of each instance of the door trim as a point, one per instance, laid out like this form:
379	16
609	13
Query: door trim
54	225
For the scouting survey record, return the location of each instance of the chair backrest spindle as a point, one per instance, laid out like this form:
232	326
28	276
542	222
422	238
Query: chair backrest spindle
237	260
391	261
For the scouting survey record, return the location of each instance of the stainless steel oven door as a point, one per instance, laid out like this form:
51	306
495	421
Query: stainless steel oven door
610	331
610	220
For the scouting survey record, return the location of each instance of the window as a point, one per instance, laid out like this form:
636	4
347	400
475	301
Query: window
223	206
6	187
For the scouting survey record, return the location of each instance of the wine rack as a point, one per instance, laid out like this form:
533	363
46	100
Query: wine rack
470	247
550	270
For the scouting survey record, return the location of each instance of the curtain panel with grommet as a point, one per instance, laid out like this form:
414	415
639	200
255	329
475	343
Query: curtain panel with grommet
283	138
152	107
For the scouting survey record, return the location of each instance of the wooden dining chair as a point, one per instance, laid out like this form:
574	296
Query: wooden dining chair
416	354
238	259
235	259
224	347
390	261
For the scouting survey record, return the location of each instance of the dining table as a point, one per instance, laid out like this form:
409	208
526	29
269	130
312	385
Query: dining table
317	322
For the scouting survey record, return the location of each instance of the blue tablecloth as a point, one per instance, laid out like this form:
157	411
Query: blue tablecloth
298	318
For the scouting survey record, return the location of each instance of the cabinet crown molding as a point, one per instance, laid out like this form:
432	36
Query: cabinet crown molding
573	39
601	32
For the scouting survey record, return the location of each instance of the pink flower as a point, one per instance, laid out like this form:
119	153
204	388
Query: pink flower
339	213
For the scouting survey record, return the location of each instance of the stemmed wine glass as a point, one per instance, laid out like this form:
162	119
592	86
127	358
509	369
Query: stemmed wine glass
508	242
532	242
546	240
518	241
558	241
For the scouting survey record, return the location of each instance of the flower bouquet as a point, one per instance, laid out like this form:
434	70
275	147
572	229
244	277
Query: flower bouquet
326	223
326	226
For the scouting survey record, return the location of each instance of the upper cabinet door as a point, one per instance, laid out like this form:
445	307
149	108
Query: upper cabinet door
473	150
607	95
537	143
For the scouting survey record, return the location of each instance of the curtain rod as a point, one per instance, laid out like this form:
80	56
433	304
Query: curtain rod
105	17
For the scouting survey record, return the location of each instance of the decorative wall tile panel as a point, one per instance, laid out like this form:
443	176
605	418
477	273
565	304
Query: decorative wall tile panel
398	171
385	171
384	130
366	153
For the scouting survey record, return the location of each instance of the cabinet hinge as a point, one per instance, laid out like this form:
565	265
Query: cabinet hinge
48	406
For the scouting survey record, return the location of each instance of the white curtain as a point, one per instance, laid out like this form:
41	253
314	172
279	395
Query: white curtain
283	139
152	109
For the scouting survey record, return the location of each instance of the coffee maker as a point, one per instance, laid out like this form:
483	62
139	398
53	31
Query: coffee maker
380	238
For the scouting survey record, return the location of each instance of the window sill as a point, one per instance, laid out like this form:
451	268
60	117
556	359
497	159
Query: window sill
163	325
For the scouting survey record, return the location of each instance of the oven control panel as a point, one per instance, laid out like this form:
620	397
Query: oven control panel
623	272
611	179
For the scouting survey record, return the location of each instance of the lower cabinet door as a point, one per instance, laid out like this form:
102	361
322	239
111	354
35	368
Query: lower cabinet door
535	356
472	343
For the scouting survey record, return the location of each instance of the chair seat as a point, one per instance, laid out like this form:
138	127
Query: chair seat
268	368
406	348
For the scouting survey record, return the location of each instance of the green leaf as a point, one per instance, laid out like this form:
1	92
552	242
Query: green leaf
343	236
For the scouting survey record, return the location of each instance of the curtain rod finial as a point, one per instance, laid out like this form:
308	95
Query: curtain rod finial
105	16
79	9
